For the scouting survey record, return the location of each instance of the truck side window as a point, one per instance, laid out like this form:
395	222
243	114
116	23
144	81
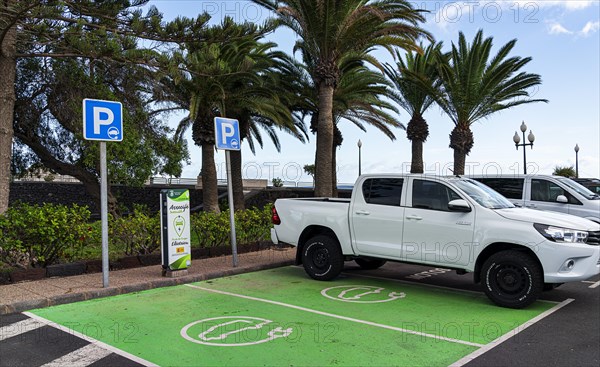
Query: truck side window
543	190
382	191
511	188
432	195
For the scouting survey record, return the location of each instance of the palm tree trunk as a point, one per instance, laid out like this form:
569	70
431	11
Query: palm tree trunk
210	192
461	140
323	164
8	68
417	132
416	165
334	191
236	180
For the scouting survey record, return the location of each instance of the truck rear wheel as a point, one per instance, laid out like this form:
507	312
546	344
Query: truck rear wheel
322	258
512	279
370	264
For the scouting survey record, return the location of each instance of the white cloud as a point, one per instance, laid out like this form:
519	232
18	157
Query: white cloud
576	4
590	27
557	28
568	4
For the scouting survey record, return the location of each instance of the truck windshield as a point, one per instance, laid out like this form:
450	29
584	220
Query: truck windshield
581	190
482	194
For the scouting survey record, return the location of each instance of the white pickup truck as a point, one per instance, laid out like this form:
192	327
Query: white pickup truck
449	222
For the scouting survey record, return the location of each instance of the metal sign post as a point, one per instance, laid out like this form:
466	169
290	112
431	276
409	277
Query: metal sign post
103	121
231	209
104	212
227	137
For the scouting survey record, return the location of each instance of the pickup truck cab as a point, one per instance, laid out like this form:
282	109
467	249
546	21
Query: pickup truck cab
545	192
450	222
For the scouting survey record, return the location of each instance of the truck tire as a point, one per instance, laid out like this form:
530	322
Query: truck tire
512	279
370	264
322	258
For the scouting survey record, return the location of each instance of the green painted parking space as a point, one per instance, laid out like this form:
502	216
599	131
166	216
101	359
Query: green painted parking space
280	317
467	316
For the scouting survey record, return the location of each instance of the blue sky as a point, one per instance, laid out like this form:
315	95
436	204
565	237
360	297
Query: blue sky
562	37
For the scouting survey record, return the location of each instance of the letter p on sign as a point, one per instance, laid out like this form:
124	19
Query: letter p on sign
227	134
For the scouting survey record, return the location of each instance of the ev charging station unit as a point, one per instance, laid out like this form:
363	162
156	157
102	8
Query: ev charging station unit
175	231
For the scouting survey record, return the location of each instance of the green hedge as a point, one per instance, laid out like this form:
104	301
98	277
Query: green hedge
34	235
251	225
37	236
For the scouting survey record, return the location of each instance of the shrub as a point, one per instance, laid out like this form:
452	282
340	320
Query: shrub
211	229
137	234
251	225
42	233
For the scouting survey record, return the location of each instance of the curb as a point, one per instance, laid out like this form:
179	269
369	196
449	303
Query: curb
15	307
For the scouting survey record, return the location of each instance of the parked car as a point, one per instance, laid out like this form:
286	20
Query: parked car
544	192
450	222
593	184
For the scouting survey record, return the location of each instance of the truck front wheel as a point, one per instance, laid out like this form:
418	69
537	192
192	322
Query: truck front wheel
512	279
322	258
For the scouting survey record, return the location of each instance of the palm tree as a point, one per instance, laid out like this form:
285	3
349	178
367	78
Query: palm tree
358	99
330	30
212	71
475	87
416	82
262	106
232	74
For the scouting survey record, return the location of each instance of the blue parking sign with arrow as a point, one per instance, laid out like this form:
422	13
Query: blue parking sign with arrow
227	134
102	120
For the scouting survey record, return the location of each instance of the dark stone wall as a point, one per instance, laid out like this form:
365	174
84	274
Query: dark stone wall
260	198
39	192
74	193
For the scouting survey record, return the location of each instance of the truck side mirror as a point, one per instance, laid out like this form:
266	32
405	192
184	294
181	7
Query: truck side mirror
562	199
459	205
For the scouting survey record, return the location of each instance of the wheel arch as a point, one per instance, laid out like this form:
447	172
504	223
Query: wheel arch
497	247
309	232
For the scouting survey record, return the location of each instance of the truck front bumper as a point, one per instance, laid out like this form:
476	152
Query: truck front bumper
571	262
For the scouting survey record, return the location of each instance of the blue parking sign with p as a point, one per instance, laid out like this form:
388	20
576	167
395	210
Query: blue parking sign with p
102	120
227	134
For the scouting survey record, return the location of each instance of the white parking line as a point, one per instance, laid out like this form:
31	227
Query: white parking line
18	328
437	337
91	340
81	357
510	334
593	284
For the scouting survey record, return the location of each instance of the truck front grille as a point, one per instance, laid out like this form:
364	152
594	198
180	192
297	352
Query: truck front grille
593	238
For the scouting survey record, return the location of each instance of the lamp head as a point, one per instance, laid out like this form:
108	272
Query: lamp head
531	137
523	127
516	138
359	143
576	148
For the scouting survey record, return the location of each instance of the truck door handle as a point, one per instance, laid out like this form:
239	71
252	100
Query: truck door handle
362	212
415	217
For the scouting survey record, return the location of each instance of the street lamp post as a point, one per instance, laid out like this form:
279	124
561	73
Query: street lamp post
517	139
359	157
576	160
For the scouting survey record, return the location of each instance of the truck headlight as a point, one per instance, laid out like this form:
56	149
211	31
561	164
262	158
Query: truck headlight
558	234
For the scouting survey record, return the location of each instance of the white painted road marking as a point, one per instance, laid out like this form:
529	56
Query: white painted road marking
91	340
437	337
19	328
510	334
593	284
81	357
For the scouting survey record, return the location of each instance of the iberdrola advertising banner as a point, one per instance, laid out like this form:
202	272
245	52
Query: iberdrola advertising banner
175	228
